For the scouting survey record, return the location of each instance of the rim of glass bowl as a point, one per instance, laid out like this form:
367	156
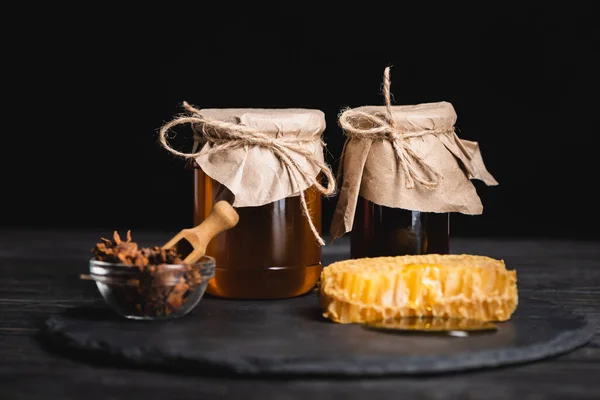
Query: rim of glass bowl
119	273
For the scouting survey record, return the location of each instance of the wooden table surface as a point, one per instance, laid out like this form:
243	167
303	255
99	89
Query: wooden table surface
39	271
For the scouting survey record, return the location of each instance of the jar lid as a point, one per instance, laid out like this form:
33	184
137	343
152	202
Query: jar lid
438	115
277	121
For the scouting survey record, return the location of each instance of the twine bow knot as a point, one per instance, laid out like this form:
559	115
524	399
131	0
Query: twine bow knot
386	128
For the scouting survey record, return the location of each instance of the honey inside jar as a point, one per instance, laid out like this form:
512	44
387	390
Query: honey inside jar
271	253
384	231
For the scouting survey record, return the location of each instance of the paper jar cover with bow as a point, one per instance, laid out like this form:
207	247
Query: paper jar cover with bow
253	173
430	148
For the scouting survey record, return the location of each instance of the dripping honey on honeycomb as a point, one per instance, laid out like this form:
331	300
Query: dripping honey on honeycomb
448	286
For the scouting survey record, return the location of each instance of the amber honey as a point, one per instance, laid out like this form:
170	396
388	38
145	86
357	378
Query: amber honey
384	231
271	253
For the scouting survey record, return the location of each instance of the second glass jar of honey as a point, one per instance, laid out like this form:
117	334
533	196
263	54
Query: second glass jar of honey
404	171
268	163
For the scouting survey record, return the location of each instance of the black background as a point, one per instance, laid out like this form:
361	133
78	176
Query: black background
90	88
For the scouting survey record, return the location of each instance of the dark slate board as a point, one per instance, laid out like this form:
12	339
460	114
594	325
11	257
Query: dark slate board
290	337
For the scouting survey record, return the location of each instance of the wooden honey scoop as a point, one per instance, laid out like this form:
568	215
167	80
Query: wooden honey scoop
191	243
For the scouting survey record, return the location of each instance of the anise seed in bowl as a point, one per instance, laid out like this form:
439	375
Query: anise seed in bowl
150	282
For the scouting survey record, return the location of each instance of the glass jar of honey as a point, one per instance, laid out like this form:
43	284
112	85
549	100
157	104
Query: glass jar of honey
267	163
404	171
270	253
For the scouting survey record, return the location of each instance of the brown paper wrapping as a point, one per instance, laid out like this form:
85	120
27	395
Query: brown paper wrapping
254	174
371	170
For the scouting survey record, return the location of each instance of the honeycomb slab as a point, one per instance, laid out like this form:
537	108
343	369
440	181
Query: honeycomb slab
448	286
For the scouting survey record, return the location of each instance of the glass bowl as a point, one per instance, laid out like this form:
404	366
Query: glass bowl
152	292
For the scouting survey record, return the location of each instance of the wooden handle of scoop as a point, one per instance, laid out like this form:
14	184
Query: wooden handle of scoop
222	217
